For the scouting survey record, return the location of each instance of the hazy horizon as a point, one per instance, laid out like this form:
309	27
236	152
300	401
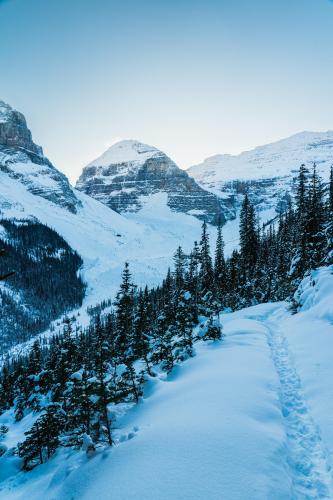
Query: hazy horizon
191	78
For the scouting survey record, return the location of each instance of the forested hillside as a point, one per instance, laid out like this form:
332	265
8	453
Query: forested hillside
75	385
45	282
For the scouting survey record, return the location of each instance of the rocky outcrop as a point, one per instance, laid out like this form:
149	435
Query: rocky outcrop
23	160
14	132
130	171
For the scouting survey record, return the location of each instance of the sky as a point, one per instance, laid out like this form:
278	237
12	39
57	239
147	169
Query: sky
191	77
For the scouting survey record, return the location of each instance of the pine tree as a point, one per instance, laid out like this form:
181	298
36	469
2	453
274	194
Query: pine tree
328	251
142	327
302	194
102	388
315	222
179	272
125	313
43	438
80	407
219	270
192	281
66	363
6	388
183	326
213	331
233	280
33	375
162	333
206	273
299	262
248	239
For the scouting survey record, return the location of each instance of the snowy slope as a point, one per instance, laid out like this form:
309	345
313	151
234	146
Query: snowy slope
278	159
247	418
105	239
124	152
211	430
267	172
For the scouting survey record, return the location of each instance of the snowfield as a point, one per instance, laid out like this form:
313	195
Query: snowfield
278	159
249	417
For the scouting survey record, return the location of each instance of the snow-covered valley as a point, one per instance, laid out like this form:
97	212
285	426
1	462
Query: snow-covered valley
247	417
133	398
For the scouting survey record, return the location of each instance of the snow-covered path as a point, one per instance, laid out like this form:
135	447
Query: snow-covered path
250	417
307	456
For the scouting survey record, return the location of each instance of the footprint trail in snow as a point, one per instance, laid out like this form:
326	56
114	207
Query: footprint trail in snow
307	458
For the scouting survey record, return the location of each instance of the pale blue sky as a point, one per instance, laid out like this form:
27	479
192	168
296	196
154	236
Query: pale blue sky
191	77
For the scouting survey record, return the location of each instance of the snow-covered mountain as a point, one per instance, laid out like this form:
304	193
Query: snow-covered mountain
32	188
22	160
130	172
266	172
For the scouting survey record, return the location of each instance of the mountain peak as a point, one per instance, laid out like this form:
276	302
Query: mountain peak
128	150
14	132
5	111
21	159
130	172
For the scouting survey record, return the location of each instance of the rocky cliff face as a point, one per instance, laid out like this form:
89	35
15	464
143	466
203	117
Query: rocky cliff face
129	172
14	132
23	160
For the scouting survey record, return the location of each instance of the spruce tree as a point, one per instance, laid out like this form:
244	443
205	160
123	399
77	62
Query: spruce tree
142	327
206	272
315	222
192	279
213	329
43	438
183	326
299	262
219	270
102	388
249	245
328	250
125	313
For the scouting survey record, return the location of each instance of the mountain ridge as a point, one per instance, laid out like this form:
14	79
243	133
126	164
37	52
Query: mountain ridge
266	172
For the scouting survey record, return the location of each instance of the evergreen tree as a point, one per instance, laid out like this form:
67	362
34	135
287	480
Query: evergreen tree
213	331
328	251
43	438
125	313
179	272
206	266
80	409
248	239
162	334
192	280
102	388
219	270
315	222
183	326
142	326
